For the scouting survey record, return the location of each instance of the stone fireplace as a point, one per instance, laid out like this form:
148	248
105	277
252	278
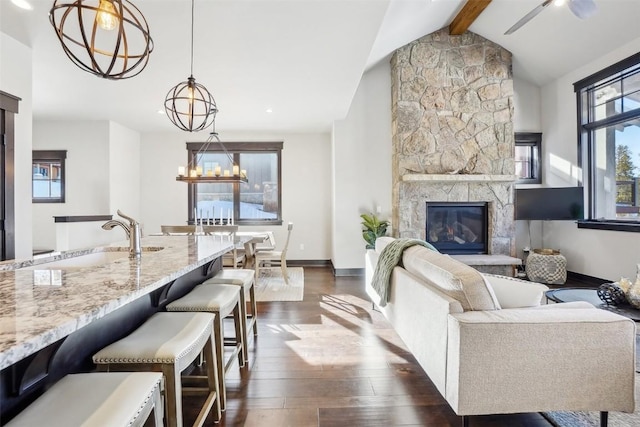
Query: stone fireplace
452	131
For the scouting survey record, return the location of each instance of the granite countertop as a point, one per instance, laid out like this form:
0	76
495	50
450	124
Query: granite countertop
41	304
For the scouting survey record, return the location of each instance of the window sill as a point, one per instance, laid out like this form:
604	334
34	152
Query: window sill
611	225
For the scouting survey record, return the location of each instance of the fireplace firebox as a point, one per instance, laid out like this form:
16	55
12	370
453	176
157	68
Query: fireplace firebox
458	227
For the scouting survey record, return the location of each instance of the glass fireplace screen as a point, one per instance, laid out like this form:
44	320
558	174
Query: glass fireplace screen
457	228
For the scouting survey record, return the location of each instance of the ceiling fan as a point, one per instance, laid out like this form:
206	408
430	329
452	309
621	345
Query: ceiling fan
583	9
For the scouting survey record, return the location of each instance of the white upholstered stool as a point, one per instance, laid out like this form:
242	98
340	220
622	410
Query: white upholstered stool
222	300
95	400
169	342
245	278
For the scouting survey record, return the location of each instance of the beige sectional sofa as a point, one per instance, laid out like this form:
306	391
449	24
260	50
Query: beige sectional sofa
492	345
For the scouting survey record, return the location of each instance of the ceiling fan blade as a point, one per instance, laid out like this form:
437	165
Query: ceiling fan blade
583	9
528	17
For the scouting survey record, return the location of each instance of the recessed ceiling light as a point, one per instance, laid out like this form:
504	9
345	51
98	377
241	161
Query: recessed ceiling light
22	4
161	112
269	110
558	2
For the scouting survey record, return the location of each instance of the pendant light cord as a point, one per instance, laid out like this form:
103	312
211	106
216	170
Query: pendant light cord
192	15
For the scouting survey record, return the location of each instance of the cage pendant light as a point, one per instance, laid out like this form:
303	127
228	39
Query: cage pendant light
107	38
189	105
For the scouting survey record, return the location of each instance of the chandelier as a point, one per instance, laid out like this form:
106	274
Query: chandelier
107	38
189	105
194	174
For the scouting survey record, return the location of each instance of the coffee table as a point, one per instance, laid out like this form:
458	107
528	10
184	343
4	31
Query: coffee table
591	296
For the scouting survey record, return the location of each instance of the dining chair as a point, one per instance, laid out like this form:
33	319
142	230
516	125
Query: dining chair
275	258
234	258
169	230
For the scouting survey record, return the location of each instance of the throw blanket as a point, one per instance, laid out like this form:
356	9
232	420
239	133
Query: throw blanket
390	257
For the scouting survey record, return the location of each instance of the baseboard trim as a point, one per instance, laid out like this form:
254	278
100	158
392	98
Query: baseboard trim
348	272
309	263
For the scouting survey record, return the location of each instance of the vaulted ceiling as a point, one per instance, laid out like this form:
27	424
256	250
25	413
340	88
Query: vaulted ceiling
303	59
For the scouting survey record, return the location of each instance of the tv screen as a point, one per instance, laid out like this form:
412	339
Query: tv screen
565	203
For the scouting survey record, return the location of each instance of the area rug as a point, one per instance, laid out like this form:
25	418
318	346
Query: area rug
270	285
588	419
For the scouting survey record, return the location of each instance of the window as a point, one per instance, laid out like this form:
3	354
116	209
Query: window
528	148
609	141
257	202
48	176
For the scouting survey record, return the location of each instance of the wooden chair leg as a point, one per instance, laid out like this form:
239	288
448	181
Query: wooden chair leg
158	408
254	307
243	320
238	321
604	419
219	348
173	395
285	274
213	383
465	421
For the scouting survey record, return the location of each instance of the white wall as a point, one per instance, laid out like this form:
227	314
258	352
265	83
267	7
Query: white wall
16	79
526	106
87	178
598	253
527	118
124	170
306	186
362	166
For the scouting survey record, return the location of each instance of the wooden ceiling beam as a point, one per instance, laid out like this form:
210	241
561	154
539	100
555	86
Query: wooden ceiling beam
470	11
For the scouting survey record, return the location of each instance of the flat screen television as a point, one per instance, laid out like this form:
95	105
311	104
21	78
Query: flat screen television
564	203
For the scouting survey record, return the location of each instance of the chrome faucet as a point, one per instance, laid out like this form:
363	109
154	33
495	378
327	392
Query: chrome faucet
132	230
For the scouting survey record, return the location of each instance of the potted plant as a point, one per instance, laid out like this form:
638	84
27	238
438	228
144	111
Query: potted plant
373	228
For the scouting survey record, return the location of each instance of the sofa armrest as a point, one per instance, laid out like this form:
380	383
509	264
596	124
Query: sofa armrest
532	360
514	293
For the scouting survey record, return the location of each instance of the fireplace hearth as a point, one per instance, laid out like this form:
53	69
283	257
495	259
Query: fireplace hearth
458	227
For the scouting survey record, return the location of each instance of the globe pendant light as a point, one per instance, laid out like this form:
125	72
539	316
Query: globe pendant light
189	105
107	38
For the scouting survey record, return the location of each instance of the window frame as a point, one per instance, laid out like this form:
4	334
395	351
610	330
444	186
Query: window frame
586	143
235	149
50	156
533	140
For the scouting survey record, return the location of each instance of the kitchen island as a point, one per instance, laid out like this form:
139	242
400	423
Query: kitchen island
59	309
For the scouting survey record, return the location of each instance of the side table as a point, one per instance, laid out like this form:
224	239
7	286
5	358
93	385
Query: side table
550	269
591	296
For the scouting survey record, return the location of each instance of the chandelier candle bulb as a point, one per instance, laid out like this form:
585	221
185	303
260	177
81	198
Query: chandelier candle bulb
243	173
199	170
226	172
181	170
236	170
192	173
209	172
217	171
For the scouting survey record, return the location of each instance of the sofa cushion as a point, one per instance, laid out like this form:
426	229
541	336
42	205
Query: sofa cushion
516	293
452	277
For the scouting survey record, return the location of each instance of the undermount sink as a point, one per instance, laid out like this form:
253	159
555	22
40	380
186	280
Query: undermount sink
105	256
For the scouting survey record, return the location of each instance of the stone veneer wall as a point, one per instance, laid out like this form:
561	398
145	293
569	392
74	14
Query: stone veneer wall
452	131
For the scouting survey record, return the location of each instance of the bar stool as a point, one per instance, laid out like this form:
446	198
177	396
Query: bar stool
245	278
96	399
169	343
222	300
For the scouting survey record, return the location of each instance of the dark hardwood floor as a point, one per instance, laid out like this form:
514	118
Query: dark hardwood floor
331	361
